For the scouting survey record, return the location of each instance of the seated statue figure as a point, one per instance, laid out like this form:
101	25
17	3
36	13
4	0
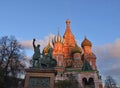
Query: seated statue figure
36	54
48	61
52	61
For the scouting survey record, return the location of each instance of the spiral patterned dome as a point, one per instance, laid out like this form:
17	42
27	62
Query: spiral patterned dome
57	38
76	49
45	50
86	42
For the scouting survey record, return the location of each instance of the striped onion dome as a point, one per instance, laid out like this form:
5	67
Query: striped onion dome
57	38
46	49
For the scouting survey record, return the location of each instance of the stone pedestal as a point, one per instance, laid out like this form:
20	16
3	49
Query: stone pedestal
39	78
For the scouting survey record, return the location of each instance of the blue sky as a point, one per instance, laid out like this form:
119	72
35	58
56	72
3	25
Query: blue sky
99	20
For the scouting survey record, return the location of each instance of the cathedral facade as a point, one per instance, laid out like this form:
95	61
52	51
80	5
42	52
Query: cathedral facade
75	61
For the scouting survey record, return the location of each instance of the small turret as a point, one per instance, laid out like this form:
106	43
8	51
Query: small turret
68	22
86	45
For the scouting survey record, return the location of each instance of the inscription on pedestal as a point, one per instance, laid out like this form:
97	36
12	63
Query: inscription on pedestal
41	82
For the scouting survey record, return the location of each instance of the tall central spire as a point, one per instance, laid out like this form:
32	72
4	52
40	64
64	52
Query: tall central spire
67	26
68	32
69	41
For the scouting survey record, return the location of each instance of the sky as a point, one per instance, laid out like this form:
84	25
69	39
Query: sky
99	20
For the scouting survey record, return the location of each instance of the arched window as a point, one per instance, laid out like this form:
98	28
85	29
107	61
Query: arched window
91	83
84	81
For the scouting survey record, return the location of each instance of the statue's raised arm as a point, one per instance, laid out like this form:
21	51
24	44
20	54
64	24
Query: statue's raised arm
34	43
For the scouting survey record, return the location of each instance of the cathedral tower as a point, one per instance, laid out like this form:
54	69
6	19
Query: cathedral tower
58	49
89	76
88	54
69	41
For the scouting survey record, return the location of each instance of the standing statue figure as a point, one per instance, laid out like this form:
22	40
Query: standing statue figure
36	55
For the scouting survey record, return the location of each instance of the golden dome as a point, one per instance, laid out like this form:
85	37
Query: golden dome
45	50
76	49
86	42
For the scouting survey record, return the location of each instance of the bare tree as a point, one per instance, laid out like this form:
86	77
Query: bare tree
11	54
110	82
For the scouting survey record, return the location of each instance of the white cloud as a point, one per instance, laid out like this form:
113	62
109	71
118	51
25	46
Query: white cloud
27	44
114	49
43	42
109	50
109	59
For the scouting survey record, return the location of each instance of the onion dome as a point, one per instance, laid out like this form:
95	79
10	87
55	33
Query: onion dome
46	49
86	42
76	49
57	38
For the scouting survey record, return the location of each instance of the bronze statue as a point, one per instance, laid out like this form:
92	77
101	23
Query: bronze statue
36	55
40	60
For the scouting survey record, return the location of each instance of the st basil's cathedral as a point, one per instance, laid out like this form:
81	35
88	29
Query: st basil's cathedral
75	61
